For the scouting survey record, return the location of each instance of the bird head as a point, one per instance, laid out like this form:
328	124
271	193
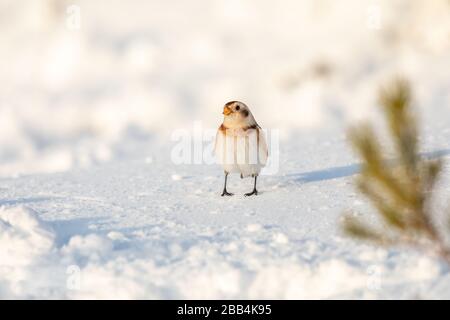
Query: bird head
237	115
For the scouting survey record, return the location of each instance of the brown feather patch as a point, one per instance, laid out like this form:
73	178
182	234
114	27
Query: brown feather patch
255	126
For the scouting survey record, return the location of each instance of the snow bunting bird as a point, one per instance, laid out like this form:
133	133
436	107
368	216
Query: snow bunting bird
240	144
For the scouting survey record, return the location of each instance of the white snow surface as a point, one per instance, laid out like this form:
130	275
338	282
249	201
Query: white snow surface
129	230
91	203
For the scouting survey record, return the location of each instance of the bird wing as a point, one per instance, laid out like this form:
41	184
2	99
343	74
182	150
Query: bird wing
251	147
263	151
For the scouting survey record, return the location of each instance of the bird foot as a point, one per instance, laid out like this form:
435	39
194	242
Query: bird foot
254	192
226	193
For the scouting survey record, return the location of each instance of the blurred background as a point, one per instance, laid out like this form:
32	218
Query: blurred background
87	82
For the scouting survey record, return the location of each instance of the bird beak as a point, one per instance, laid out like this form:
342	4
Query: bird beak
227	110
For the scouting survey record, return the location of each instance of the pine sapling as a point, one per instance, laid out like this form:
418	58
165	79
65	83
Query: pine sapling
400	189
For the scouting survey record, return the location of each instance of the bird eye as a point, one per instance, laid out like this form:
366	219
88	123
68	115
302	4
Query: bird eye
237	108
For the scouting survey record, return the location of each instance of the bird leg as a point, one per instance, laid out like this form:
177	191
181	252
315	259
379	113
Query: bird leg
225	192
254	192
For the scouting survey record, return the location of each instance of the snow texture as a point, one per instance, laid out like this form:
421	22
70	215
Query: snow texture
93	205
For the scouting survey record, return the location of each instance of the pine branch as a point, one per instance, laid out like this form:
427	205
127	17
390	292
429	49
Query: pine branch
400	190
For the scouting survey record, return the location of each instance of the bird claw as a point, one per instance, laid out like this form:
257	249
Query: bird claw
254	192
226	193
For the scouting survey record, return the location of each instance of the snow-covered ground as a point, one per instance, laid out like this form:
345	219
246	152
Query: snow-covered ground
92	203
132	229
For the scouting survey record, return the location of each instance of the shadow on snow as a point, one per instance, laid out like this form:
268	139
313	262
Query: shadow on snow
350	170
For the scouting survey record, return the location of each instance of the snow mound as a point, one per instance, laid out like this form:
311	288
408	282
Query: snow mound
23	237
25	242
95	266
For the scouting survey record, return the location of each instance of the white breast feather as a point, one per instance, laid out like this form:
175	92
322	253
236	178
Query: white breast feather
243	152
